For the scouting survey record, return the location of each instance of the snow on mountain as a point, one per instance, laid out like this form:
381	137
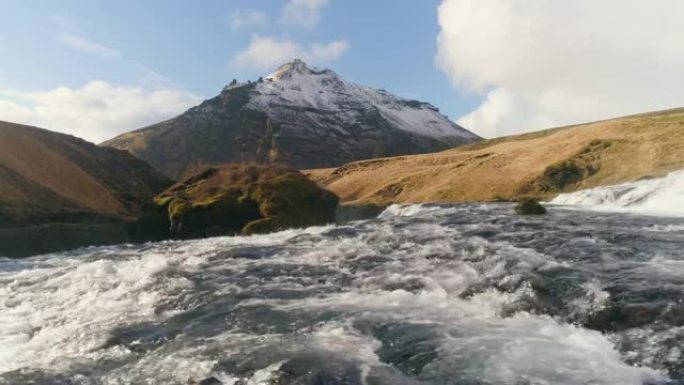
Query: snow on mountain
661	197
299	116
296	85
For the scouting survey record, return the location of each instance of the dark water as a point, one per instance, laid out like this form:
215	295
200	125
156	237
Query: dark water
465	294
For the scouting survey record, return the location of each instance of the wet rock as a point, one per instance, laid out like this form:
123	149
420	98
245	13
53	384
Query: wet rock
350	212
621	316
408	347
210	381
530	207
317	369
41	377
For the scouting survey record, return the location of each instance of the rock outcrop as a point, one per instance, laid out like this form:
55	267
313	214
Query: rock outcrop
245	198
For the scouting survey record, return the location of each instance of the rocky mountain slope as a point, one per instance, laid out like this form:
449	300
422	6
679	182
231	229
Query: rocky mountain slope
298	116
541	164
49	178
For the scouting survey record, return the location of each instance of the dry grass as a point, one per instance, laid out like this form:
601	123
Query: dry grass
48	173
33	155
640	146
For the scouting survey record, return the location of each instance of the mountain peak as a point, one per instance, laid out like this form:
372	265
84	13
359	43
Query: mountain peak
288	70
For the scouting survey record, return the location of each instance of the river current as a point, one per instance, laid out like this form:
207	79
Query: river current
424	294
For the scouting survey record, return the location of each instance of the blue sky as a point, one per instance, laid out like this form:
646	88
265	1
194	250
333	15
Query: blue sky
391	45
193	45
97	68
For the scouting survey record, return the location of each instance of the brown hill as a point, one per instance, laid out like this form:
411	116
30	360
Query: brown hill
59	192
45	175
540	164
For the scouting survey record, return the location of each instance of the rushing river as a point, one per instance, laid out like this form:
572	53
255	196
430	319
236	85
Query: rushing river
425	294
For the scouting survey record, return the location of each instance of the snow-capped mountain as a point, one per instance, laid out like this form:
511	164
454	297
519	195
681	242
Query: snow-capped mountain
295	86
298	115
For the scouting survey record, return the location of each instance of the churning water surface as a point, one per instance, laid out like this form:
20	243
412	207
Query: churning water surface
425	294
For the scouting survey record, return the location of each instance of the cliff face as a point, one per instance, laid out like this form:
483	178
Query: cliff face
541	164
298	116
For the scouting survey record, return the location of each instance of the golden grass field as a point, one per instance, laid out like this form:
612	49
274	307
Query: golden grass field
540	164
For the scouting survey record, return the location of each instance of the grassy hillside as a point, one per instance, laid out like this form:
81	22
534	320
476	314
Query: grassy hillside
47	176
539	164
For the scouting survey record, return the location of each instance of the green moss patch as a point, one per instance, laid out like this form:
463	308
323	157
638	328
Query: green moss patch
246	198
568	174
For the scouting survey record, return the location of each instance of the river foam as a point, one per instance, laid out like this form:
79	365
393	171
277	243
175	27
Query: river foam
425	294
659	196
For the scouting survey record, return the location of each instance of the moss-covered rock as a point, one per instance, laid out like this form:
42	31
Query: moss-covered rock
530	207
246	198
558	176
567	175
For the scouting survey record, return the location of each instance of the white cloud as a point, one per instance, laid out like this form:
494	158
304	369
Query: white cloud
11	111
325	53
80	43
71	36
265	53
248	18
542	63
95	112
303	13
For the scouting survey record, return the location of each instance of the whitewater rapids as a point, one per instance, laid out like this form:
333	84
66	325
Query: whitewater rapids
424	294
658	196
